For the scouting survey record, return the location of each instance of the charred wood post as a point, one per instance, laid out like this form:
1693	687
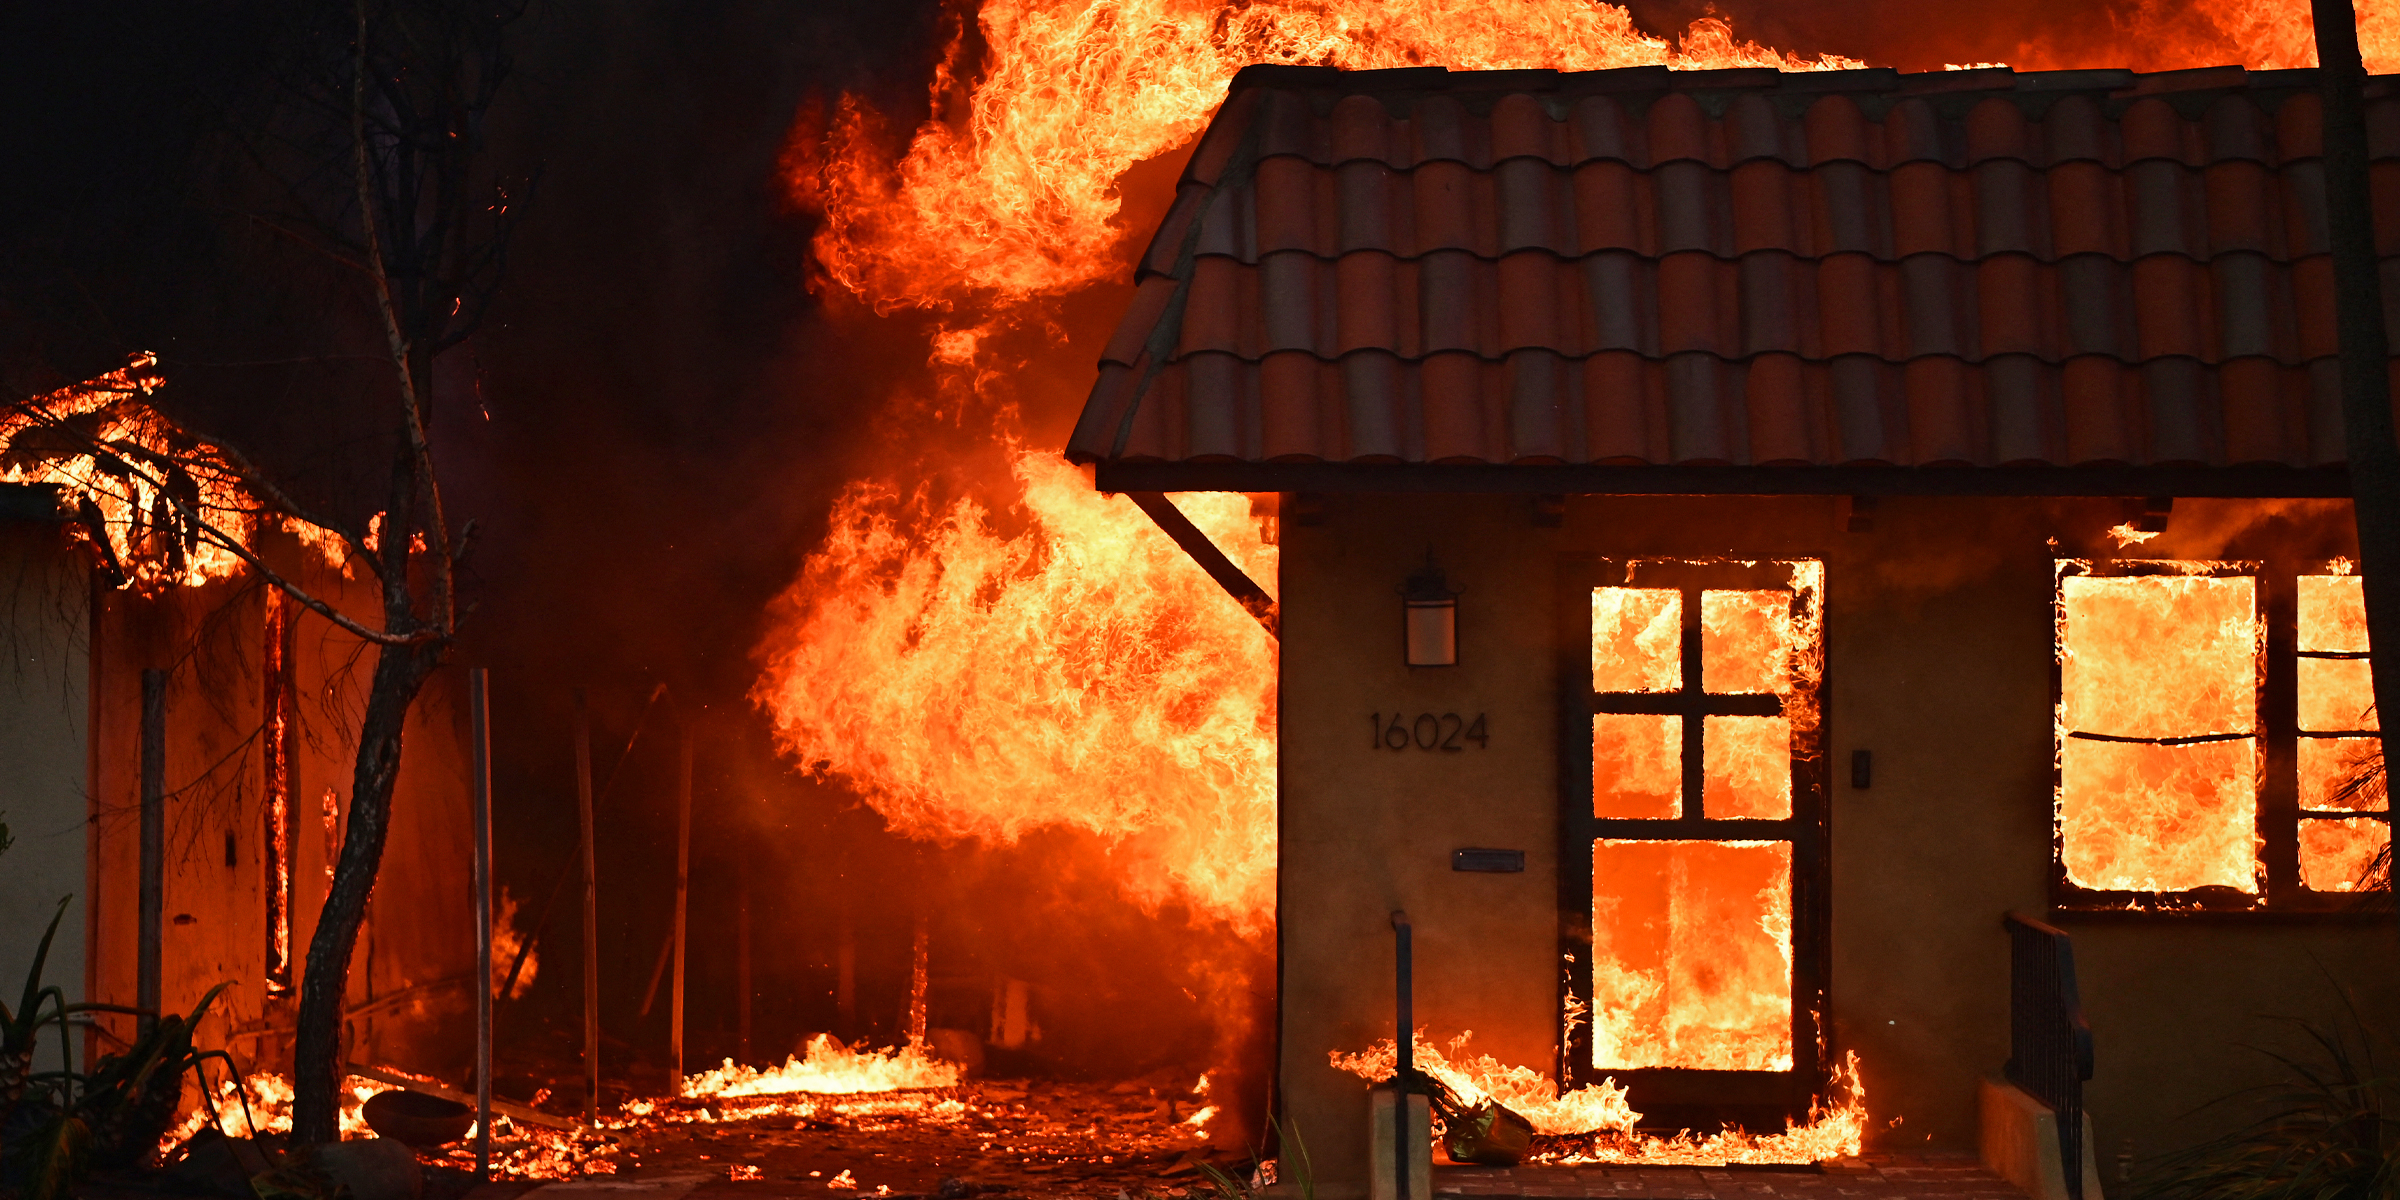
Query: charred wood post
741	962
591	913
152	897
919	976
479	734
683	892
2368	444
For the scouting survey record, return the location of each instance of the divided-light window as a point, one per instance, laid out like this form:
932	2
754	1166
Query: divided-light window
2210	717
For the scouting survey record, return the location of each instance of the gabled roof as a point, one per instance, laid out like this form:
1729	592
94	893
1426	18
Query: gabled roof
1643	280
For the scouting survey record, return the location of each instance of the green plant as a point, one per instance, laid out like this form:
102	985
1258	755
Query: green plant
21	1029
129	1101
56	1125
2329	1130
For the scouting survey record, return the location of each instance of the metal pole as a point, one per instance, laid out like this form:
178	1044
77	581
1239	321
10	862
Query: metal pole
1404	1060
479	719
683	892
153	884
2368	444
591	914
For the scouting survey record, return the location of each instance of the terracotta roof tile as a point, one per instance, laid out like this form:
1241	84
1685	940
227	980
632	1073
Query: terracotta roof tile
1641	267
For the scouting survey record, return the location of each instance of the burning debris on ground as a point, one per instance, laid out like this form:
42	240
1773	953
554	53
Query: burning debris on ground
1026	1137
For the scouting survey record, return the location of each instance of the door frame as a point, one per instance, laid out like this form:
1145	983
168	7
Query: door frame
1681	1098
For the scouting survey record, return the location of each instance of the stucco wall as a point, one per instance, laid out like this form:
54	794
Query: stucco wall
409	973
43	711
1938	640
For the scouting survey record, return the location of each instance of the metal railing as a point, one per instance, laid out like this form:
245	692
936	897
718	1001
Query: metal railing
2049	1043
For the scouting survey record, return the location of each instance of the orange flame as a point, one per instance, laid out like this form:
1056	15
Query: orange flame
1835	1130
106	448
2158	657
1022	199
269	1096
1082	673
830	1068
1594	1108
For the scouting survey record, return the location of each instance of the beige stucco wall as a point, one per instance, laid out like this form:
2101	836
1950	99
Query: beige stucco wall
1938	640
43	709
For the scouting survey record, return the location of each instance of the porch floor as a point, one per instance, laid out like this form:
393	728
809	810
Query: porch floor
1873	1177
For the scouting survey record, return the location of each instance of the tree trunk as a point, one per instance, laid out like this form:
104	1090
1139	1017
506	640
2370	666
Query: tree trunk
317	1068
2369	446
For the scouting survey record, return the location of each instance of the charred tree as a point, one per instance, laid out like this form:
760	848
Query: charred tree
2367	432
431	236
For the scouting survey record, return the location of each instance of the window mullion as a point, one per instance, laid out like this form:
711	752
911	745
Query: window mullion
2278	725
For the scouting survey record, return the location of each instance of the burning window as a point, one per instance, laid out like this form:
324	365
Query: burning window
2210	716
1703	806
2336	735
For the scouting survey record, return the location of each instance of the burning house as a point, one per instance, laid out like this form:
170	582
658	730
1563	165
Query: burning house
180	738
1742	533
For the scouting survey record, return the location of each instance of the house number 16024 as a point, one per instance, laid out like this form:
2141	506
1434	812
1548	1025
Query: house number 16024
1446	732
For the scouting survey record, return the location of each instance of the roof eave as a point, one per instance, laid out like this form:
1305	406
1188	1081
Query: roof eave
2259	482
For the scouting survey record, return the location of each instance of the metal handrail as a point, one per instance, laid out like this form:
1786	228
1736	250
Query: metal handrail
2049	1042
1404	1047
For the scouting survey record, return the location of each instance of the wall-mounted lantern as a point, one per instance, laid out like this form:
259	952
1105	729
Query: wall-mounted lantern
1430	611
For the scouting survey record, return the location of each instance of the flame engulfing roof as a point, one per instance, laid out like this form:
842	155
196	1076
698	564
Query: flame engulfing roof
1743	268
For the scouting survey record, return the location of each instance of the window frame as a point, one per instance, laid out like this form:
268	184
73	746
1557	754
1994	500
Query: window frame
2277	813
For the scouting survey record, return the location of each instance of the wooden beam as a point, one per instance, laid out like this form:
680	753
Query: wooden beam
683	892
479	731
514	1112
1586	479
148	968
591	914
1236	583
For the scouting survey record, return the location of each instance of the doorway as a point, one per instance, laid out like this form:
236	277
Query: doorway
1693	813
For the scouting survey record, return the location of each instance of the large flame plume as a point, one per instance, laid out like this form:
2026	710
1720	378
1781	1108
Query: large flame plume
1081	674
1022	199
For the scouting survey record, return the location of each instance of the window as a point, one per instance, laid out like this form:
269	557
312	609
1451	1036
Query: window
2208	714
1699	813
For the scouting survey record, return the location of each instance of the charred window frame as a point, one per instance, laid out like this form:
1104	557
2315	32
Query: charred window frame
279	741
1696	1098
2277	813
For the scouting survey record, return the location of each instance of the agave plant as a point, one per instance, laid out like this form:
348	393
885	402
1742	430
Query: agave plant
56	1125
2330	1130
21	1028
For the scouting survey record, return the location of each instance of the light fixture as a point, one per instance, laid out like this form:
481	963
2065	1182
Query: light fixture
1429	612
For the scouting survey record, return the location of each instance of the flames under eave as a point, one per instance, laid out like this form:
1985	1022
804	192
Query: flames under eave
1238	584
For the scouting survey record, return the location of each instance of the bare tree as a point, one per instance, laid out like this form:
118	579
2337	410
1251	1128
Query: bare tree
372	145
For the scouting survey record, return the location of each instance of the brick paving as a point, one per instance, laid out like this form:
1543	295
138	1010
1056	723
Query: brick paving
1875	1177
